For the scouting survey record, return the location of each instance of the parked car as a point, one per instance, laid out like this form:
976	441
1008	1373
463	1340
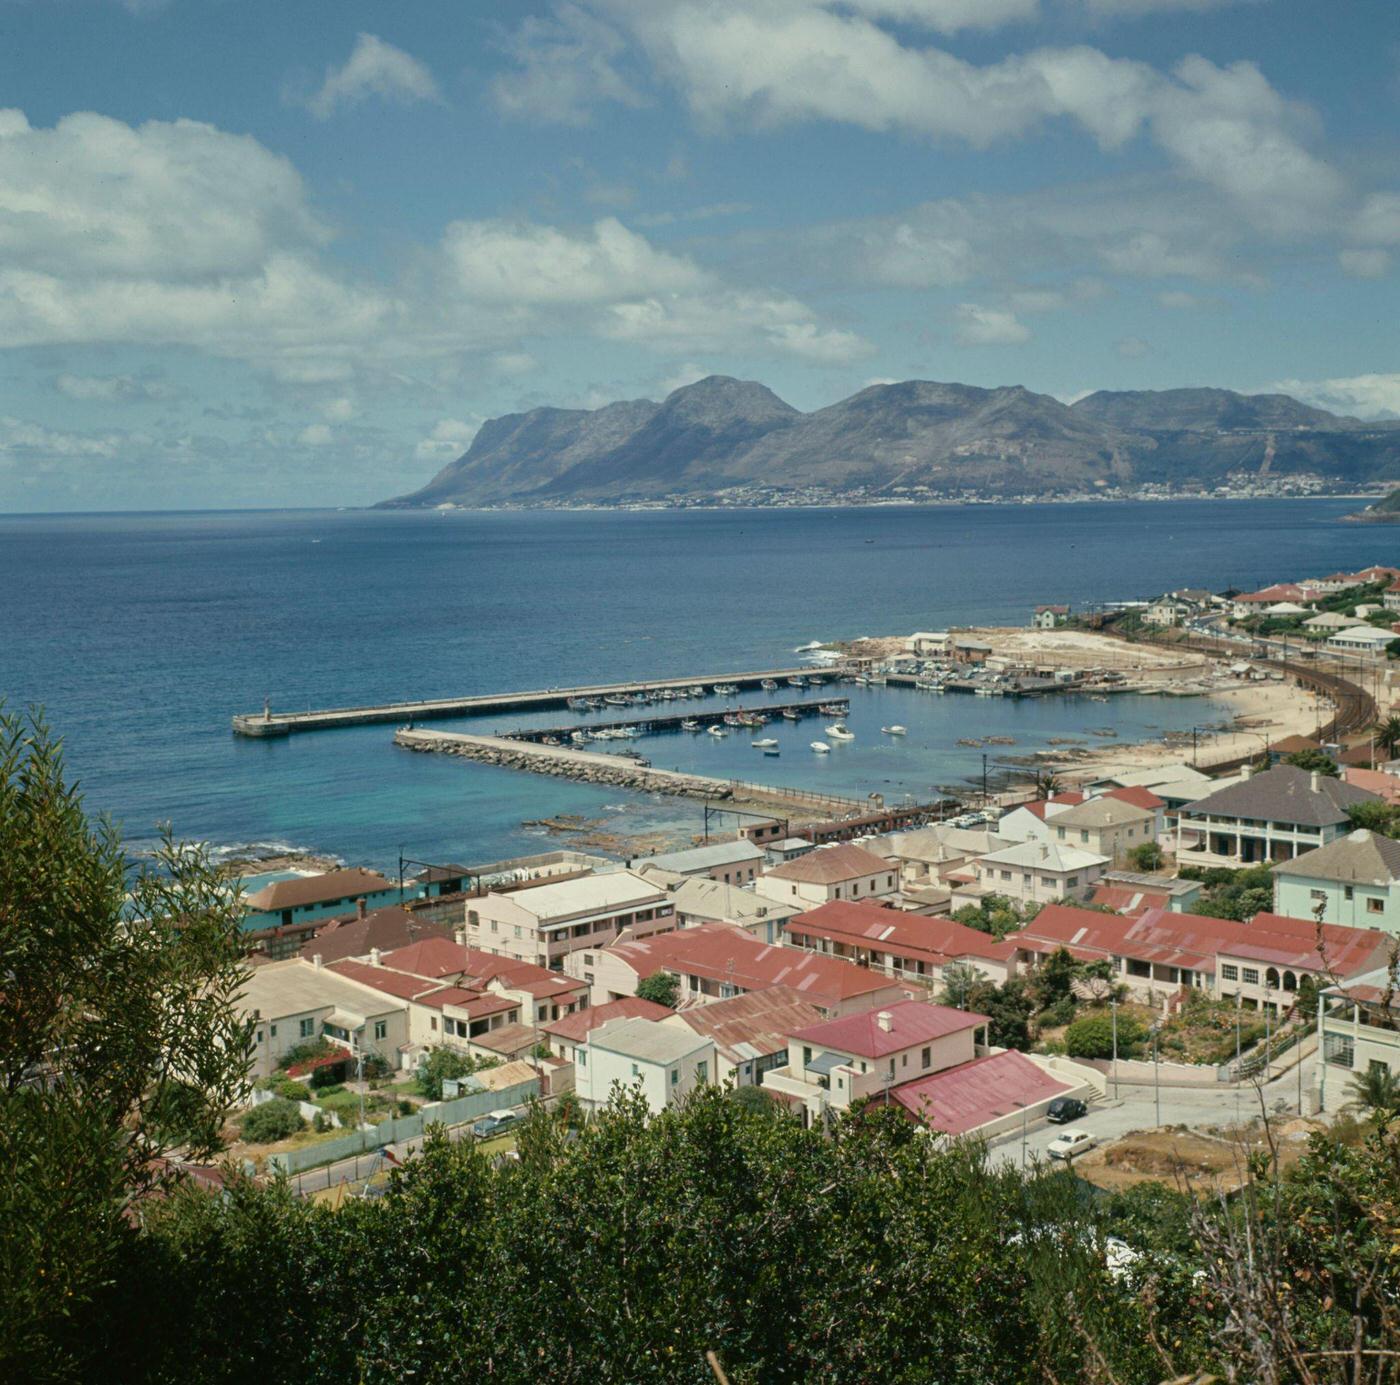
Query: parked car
1065	1109
493	1123
1070	1144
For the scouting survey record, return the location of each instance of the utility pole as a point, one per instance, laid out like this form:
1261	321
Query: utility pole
1157	1075
1113	1010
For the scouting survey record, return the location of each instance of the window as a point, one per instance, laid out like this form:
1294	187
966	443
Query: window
494	927
1229	971
273	1030
891	1067
1379	1067
261	1036
1060	833
702	1072
806	1055
675	1077
517	930
636	1071
1375	906
927	1057
889	882
1348	892
588	959
1071	882
904	1063
1006	875
308	1028
1083	835
381	1029
432	1022
581	1057
473	918
838	892
1339	1050
1251	976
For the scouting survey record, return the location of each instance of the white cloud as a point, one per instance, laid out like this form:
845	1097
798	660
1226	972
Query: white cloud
1131	349
316	435
1178	300
514	362
1133	8
948	16
1365	264
1151	255
564	66
112	389
915	257
1377	222
339	410
979	326
679	378
1366	396
21	440
448	440
374	68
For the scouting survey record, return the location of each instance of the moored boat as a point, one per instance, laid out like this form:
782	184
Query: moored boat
765	743
717	731
821	747
895	730
839	731
769	685
690	724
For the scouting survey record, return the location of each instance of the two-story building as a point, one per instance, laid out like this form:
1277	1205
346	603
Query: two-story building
1354	880
841	871
544	924
730	863
1032	873
1106	826
1264	818
698	899
285	913
749	1031
664	1063
567	1035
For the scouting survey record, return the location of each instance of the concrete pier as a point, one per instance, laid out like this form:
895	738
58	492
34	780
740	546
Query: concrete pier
671	721
268	723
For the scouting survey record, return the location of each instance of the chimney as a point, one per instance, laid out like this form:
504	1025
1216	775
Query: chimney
1315	782
359	908
374	956
1247	771
885	1020
316	960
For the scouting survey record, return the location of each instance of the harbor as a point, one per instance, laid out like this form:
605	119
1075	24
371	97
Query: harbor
736	718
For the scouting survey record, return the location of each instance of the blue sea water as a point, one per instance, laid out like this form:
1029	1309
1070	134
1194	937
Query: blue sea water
142	633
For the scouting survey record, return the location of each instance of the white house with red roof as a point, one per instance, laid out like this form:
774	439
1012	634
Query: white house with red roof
749	1031
911	947
716	961
841	871
567	1035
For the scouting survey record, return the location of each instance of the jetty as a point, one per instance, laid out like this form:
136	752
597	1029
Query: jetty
268	723
675	721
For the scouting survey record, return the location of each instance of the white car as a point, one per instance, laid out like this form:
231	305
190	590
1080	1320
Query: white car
1069	1144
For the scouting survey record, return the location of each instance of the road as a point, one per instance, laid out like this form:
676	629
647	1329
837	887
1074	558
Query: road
1135	1108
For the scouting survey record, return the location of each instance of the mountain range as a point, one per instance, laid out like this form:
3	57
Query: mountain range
915	439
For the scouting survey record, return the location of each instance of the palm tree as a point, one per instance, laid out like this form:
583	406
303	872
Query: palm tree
1386	734
1047	783
1377	1090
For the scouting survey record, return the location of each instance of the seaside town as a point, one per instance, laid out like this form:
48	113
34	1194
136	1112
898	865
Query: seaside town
1111	957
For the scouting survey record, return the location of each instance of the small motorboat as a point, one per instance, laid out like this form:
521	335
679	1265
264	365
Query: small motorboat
717	731
821	747
838	731
769	685
895	730
790	715
797	681
690	724
766	743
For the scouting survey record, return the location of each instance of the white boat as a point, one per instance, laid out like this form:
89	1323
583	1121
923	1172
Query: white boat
690	724
838	732
797	681
765	743
769	685
790	715
895	730
717	731
821	747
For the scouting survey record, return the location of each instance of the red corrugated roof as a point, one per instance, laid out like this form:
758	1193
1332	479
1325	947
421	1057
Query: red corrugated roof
1138	797
829	864
1124	899
857	924
722	952
395	983
578	1026
911	1022
432	957
1307	946
1177	940
971	1095
761	1020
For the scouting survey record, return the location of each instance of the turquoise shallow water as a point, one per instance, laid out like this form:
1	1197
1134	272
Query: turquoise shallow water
141	634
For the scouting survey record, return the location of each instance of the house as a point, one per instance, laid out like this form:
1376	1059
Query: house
1107	826
437	882
545	923
1252	603
1166	611
716	961
1361	639
1176	772
749	1031
1353	880
567	1035
356	935
698	899
1157	954
1384	784
842	871
836	1062
928	855
1265	965
1358	1031
664	1063
1273	816
1048	617
788	849
294	1002
907	946
303	899
1032	873
971	652
731	863
1329	620
929	644
1390	597
1130	892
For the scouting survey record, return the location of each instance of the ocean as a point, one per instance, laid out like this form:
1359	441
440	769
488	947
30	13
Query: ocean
141	634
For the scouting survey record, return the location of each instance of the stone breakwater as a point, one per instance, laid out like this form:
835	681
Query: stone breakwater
617	771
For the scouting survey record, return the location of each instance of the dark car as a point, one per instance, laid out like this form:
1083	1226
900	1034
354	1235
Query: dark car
1065	1108
494	1123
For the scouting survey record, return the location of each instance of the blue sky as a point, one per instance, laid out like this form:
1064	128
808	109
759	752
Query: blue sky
260	254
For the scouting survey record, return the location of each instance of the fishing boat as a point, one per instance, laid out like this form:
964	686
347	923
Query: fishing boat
765	743
895	730
838	731
833	709
732	719
578	704
725	689
797	681
690	724
615	700
769	685
815	679
717	731
696	690
821	747
790	714
579	737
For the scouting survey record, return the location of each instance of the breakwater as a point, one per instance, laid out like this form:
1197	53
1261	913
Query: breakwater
269	723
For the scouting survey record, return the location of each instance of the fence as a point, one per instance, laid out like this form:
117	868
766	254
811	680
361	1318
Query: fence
464	1108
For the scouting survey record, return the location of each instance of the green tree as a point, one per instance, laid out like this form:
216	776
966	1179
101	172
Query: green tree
1378	817
1148	856
273	1120
661	988
1377	1090
446	1064
1313	760
1386	733
1091	1036
120	1041
1054	978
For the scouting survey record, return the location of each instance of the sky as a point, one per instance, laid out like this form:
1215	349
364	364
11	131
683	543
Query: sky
255	253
